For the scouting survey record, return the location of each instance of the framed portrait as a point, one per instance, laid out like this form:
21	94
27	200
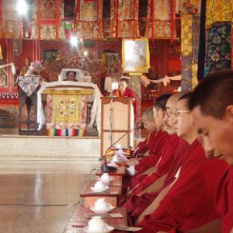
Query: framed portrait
70	74
135	56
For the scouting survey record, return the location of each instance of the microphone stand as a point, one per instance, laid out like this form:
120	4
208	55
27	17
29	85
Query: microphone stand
105	168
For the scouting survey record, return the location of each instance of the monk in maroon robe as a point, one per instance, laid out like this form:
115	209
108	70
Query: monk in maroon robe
151	161
212	107
172	159
124	91
158	144
191	201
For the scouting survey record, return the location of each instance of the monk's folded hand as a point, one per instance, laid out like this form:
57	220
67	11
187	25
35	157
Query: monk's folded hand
139	220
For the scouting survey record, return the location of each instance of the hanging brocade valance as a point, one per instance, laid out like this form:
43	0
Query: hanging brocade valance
11	24
218	11
89	19
48	20
124	19
160	23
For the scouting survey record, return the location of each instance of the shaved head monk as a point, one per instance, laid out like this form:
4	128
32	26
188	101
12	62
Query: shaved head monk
160	140
159	143
154	180
212	105
143	200
150	163
149	124
190	203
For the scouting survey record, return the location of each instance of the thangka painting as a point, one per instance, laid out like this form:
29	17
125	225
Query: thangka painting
69	9
111	63
135	55
160	26
89	23
48	20
124	19
10	23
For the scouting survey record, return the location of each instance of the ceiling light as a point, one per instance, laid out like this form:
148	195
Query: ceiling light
22	7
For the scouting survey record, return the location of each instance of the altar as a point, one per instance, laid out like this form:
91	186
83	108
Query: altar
72	108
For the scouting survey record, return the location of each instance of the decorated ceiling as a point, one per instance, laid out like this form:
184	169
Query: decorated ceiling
94	19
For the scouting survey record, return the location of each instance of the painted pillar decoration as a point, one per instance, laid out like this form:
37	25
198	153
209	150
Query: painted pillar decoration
160	19
218	31
189	54
189	11
48	20
11	24
124	19
89	19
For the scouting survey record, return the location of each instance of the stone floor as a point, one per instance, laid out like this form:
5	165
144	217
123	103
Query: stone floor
40	196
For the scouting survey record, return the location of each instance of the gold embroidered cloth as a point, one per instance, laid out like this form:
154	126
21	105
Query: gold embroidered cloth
218	11
186	35
66	111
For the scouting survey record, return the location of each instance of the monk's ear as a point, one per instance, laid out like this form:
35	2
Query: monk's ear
161	113
229	113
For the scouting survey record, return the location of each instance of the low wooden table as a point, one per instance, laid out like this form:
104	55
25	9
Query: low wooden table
80	218
109	195
117	175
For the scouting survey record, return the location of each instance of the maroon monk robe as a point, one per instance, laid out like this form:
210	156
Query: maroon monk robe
191	201
139	204
224	202
159	144
163	165
142	202
146	145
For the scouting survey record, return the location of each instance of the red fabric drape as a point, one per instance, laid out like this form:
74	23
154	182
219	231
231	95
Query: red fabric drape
153	17
172	21
117	18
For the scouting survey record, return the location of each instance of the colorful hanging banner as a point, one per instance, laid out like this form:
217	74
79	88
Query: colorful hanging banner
189	51
218	55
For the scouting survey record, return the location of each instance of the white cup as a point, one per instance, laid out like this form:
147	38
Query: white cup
96	225
115	159
105	178
119	146
101	204
99	185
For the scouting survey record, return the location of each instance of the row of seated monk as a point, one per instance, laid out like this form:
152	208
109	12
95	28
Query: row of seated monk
183	180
